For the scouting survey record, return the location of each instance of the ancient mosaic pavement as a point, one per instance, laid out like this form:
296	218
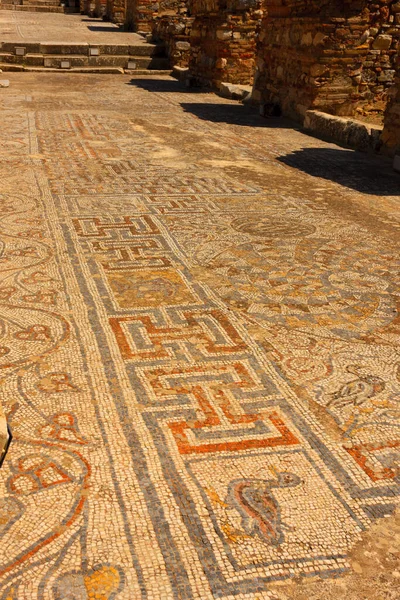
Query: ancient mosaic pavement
199	346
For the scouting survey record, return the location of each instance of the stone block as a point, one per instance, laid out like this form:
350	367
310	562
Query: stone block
53	48
221	63
238	5
4	83
5	436
236	92
182	46
223	34
382	42
180	73
345	131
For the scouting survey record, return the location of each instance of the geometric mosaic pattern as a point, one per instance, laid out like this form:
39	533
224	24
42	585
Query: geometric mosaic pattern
198	350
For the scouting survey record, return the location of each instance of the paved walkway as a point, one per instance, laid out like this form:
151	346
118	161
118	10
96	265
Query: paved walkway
199	350
47	27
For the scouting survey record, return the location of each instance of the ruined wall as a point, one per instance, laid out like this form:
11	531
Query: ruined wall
87	7
223	40
337	56
84	7
100	8
116	11
172	26
140	15
93	8
391	133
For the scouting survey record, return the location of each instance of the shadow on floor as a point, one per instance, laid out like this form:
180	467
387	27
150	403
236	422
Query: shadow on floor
356	170
361	172
164	85
104	29
235	114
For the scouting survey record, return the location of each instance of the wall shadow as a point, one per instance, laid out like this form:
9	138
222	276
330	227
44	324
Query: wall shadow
104	29
361	172
236	114
164	85
216	112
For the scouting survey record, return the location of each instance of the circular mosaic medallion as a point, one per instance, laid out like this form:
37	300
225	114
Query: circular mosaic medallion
267	227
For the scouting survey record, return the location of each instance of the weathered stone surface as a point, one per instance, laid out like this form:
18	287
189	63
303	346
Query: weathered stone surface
115	11
172	26
236	92
346	132
182	46
223	41
198	351
4	83
382	42
4	435
140	15
337	57
391	133
39	6
180	73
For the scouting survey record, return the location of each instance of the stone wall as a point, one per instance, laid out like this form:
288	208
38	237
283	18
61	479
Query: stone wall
140	15
116	11
337	56
223	40
172	26
87	7
96	8
174	31
391	133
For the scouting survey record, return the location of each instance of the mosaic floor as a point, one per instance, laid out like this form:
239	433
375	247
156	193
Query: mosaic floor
199	350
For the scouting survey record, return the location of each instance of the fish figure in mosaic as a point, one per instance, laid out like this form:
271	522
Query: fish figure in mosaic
258	507
357	391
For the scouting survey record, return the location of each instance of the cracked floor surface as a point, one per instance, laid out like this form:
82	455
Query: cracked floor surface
199	350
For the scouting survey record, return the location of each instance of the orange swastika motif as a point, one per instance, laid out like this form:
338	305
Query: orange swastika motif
97	227
209	331
127	255
213	390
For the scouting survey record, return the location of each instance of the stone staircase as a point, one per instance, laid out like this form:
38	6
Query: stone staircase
139	58
53	6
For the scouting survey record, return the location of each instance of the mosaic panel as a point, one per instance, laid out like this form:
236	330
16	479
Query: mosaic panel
200	364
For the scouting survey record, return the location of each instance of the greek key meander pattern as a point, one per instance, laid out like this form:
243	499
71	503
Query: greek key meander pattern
169	339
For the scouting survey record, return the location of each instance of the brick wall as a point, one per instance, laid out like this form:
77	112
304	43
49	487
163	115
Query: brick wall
223	40
337	56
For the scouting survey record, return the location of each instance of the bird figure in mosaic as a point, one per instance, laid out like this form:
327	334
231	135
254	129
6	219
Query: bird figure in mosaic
258	507
357	391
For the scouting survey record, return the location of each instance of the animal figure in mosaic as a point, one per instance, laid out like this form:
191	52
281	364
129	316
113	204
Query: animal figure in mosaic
357	391
258	507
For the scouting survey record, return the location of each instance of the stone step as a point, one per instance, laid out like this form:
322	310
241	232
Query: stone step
32	8
58	61
43	3
52	48
95	70
136	62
